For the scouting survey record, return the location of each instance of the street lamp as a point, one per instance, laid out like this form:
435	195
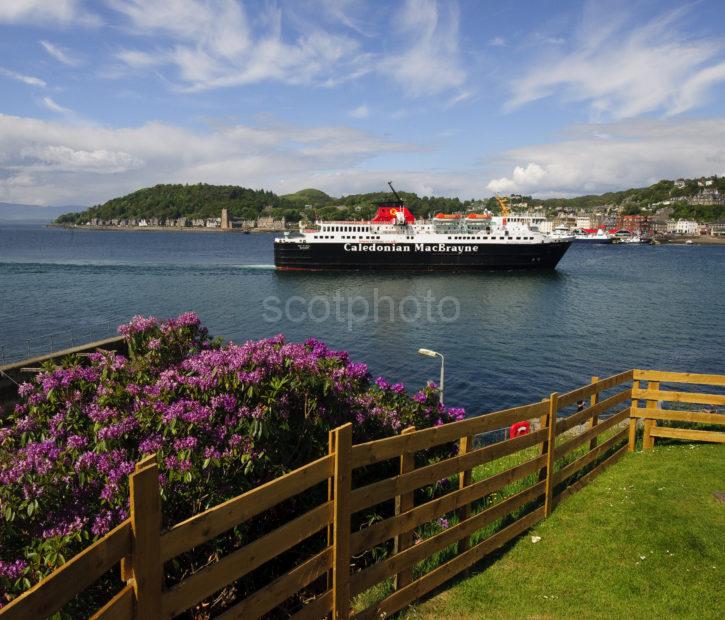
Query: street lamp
429	353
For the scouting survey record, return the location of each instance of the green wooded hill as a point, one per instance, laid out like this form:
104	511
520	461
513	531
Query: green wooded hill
313	197
206	201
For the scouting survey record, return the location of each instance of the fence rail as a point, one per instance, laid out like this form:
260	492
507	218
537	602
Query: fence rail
525	477
654	411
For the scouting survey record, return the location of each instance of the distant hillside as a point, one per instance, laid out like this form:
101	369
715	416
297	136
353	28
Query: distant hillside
206	201
650	198
10	212
313	197
176	201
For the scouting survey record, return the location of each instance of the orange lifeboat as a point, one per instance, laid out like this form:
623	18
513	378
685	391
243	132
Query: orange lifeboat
447	216
478	216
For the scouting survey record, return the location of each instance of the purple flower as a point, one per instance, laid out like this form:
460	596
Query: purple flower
226	402
457	413
186	443
420	397
398	388
137	325
24	389
12	570
382	383
75	442
119	429
152	443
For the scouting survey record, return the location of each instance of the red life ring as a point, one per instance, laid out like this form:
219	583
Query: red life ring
519	429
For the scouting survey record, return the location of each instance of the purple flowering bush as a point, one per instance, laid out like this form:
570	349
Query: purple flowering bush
222	418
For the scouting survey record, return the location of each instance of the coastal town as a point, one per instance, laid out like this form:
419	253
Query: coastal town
655	221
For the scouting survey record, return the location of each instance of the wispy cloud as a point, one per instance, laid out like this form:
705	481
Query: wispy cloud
622	68
50	103
459	98
430	63
605	157
25	79
43	12
497	42
213	45
361	111
60	54
75	162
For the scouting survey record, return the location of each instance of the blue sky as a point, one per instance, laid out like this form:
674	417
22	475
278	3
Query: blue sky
99	98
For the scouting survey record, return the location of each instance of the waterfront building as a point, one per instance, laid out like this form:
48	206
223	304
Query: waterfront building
718	228
688	228
267	222
707	196
637	224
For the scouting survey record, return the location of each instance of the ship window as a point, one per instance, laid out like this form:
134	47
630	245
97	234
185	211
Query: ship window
518	238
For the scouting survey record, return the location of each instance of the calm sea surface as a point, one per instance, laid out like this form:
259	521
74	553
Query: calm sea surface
508	338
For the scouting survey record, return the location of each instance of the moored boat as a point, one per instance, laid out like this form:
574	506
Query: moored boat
591	235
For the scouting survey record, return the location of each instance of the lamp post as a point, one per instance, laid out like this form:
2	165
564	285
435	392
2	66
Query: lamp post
429	353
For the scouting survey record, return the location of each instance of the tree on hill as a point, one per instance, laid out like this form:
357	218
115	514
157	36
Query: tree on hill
201	200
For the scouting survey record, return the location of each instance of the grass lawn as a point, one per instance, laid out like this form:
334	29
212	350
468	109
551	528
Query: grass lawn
645	539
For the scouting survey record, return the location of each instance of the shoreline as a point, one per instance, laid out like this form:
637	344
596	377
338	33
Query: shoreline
174	229
704	240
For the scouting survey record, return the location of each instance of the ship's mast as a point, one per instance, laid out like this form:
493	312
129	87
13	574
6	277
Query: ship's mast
398	198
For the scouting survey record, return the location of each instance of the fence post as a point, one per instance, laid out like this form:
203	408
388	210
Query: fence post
633	420
341	524
403	503
550	452
464	479
146	568
649	442
594	420
543	423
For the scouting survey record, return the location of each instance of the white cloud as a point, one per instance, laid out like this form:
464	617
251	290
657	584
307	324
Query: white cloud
213	45
459	98
361	111
61	55
60	12
25	79
44	162
49	103
497	42
623	69
55	158
137	59
431	63
600	158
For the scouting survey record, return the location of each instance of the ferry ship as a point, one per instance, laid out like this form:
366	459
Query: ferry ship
394	240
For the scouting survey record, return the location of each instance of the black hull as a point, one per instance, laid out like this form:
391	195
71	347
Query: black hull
406	257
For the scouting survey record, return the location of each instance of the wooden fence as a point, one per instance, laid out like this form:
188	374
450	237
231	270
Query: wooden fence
654	396
574	436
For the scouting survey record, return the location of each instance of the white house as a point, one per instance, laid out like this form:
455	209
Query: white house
683	227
